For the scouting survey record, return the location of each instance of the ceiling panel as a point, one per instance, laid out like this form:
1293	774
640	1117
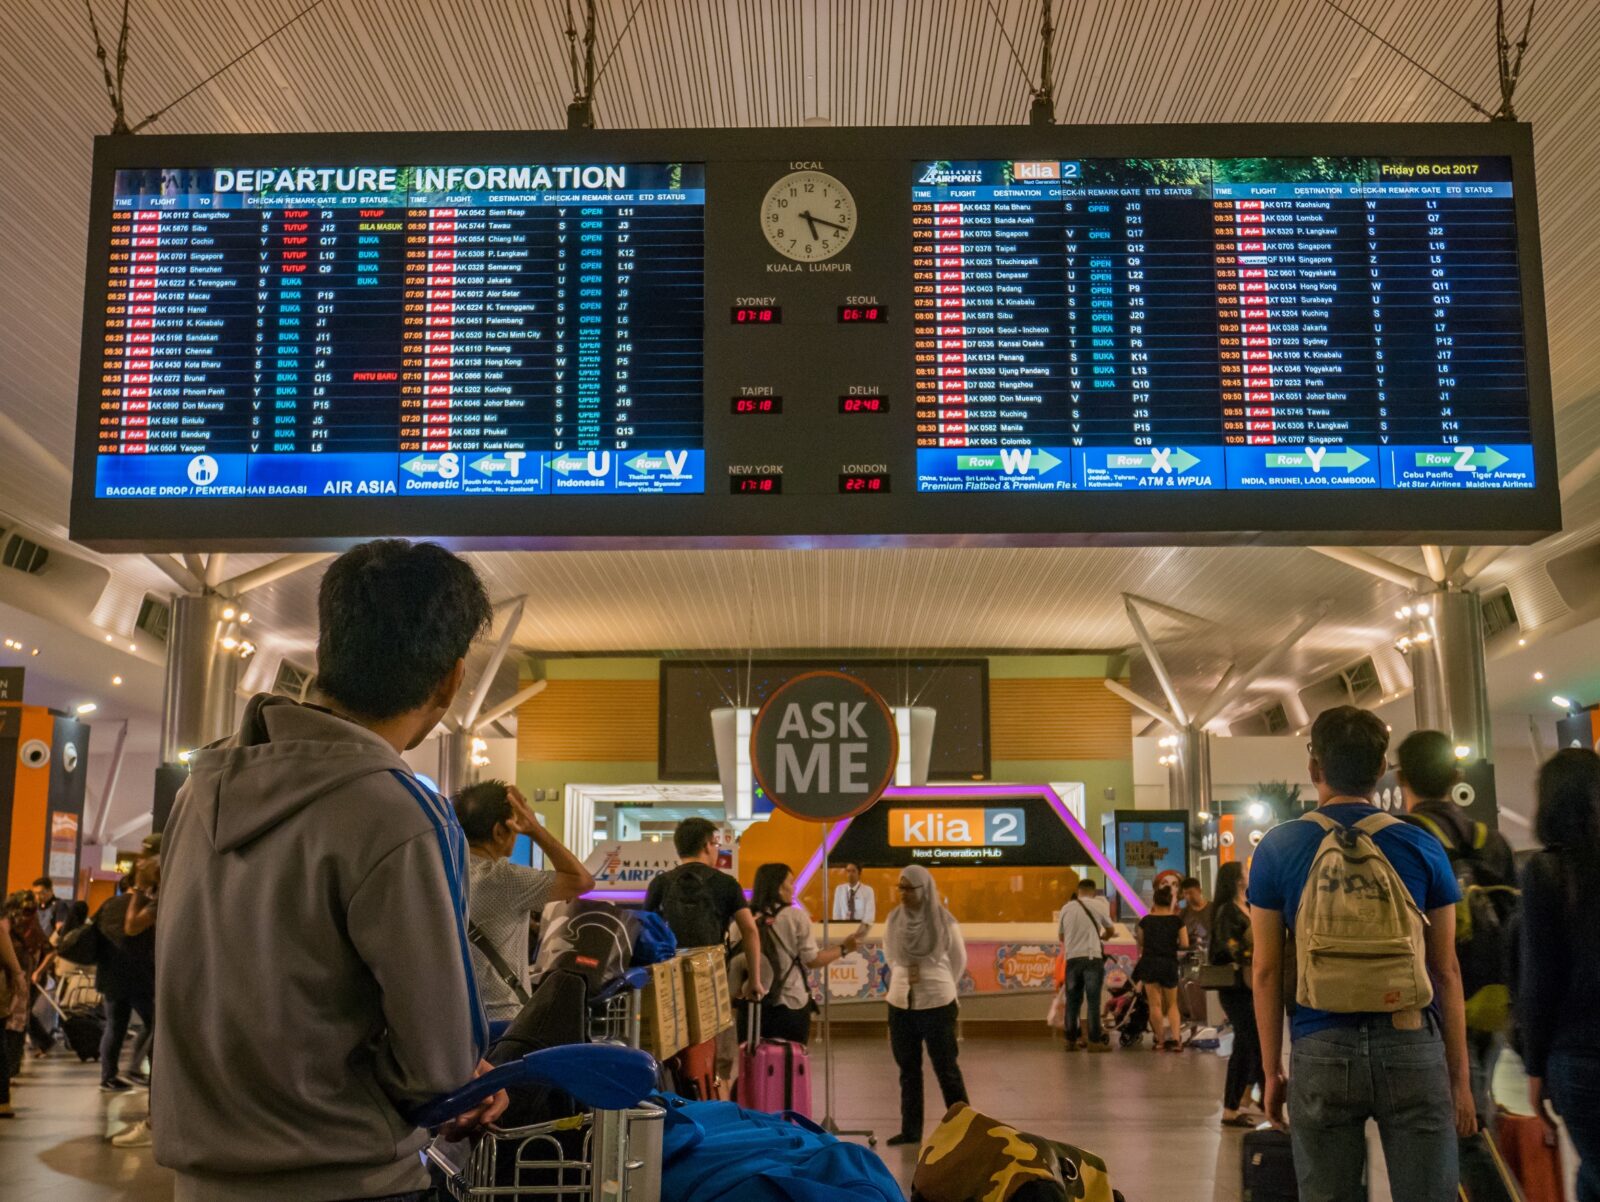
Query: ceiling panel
501	64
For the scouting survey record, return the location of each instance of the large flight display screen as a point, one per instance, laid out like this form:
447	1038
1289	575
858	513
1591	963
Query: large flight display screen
403	331
817	337
1256	323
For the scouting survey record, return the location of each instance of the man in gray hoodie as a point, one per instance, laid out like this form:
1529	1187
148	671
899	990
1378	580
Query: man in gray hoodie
313	976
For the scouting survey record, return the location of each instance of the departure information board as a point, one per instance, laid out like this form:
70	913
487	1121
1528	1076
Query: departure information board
398	331
1219	323
815	336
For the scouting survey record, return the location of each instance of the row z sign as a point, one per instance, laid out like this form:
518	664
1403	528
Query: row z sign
824	747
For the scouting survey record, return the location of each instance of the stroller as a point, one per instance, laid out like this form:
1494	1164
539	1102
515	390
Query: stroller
1127	1013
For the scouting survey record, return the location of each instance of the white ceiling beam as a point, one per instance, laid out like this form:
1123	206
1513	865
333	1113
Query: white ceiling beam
215	562
1374	565
1148	645
37	451
1585	470
494	714
1433	559
179	574
131	828
1453	561
268	572
1223	697
196	565
1476	562
1181	615
469	716
1141	703
113	775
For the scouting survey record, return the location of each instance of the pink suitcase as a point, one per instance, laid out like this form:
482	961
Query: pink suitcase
774	1074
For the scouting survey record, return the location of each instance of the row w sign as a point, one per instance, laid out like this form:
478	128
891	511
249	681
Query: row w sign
824	747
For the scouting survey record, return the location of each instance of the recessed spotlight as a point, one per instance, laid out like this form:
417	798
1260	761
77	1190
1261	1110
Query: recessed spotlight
230	643
1522	642
116	680
1538	675
1462	751
1563	702
229	614
88	707
35	651
133	646
111	638
246	618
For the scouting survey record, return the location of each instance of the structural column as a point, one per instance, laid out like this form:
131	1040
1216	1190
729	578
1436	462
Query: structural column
455	761
1444	648
202	681
1189	773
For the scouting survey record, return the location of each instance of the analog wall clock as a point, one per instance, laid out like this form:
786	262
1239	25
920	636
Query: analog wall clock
808	216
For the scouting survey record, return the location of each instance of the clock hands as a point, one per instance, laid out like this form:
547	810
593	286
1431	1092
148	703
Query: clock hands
813	222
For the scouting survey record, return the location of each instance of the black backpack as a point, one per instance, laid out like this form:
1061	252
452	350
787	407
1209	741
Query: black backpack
1485	921
690	909
773	966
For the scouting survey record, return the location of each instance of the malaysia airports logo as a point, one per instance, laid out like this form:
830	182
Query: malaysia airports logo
944	173
203	471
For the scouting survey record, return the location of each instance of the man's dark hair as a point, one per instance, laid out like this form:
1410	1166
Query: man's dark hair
482	807
692	836
856	864
1350	744
395	617
1427	760
1087	885
1188	883
46	882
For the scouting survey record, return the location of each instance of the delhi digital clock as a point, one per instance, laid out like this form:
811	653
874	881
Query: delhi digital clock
808	216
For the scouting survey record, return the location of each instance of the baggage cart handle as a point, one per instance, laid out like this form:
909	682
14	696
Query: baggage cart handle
600	1076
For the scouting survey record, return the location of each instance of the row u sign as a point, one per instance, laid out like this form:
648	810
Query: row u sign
824	747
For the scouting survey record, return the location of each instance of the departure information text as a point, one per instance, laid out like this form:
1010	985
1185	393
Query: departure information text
404	331
1257	323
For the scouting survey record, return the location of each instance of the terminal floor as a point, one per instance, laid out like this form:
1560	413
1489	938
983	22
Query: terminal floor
1152	1117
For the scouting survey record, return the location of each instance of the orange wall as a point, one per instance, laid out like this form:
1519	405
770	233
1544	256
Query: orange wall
973	894
579	720
1058	718
30	804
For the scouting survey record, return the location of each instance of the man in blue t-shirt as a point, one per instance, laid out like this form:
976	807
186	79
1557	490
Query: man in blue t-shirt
1408	1071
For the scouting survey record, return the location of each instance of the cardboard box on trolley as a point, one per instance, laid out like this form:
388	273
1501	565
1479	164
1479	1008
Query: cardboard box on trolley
707	999
663	1014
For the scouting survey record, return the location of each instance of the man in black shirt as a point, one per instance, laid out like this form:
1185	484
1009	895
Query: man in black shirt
1428	771
125	973
699	901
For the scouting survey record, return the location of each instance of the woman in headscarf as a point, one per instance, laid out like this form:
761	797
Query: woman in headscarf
927	958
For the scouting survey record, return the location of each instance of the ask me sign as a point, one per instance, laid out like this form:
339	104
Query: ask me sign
824	747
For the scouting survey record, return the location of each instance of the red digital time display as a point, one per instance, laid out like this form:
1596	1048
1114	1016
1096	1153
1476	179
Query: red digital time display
864	482
756	404
851	314
863	404
757	315
766	486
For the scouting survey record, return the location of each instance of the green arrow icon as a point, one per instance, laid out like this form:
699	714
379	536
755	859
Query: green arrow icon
420	465
1178	461
1316	459
648	463
1463	459
567	464
1036	463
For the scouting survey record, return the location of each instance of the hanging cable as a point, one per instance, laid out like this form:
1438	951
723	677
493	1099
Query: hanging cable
1510	69
232	62
1016	57
119	124
1449	87
626	25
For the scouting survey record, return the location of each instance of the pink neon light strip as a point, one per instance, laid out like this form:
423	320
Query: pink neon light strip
975	792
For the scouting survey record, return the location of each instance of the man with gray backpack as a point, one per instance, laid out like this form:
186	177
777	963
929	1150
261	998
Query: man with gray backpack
1353	915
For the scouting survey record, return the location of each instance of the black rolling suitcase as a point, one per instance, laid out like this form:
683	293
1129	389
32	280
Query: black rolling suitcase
1269	1167
83	1029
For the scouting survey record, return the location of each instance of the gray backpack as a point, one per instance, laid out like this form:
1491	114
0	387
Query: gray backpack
1359	944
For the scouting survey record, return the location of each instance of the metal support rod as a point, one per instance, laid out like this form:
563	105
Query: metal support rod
1476	562
179	574
1585	470
268	572
129	828
1433	558
1373	565
1138	702
469	716
1168	689
215	562
1172	611
113	774
196	566
829	1124
1454	560
527	693
1220	699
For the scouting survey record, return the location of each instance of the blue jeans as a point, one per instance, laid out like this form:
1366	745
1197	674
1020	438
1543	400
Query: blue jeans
1573	1081
1086	977
1341	1077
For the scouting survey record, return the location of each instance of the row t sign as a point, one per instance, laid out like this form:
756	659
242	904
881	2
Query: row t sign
824	747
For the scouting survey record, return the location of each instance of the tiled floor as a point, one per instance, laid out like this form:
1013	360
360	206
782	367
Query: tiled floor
1152	1117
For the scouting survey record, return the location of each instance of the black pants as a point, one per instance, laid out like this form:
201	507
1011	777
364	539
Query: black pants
1244	1066
119	1012
7	1041
908	1031
16	1043
781	1022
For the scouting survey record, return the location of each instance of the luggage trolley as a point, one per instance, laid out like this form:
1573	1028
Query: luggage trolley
614	1015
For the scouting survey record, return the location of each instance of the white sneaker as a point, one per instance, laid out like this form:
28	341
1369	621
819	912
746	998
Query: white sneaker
136	1136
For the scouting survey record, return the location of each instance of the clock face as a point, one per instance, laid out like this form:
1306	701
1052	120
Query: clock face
808	216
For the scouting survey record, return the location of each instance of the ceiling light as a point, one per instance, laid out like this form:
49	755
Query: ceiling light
1538	675
1424	608
229	643
88	707
1462	751
1204	816
1522	642
229	614
1258	812
116	680
133	646
183	756
111	638
35	651
245	617
1561	701
1405	611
